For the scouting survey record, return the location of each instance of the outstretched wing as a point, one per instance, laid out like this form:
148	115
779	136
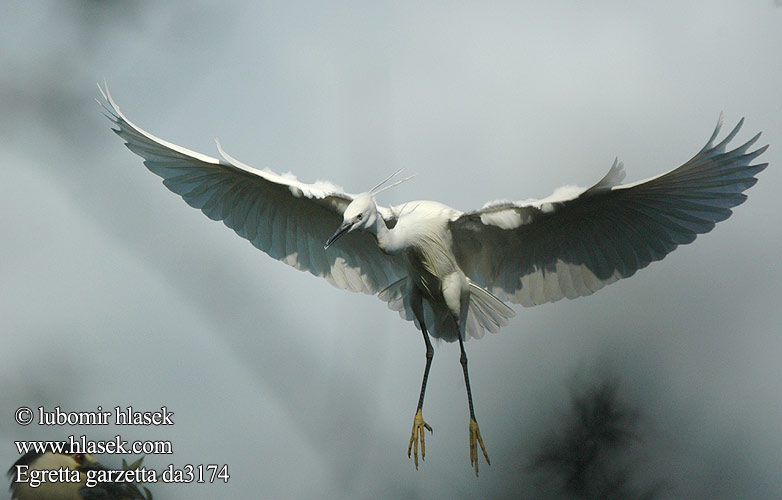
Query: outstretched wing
287	219
569	246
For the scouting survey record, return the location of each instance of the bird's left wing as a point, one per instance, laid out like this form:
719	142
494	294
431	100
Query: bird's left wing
287	219
573	244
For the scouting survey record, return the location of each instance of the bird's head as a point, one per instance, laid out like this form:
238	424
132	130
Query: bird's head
360	214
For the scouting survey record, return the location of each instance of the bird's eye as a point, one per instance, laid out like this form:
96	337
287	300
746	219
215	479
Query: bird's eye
360	216
79	458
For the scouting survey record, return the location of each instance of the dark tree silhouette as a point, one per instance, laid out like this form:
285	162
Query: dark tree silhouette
589	453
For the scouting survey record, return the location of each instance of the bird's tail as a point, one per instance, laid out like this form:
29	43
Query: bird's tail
486	312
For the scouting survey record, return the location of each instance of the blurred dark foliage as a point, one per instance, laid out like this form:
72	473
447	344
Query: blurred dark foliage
588	454
131	491
120	490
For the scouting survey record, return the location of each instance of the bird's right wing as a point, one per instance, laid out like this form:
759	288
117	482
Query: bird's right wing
287	219
571	245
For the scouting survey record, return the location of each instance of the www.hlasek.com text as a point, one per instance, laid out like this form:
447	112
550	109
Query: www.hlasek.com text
116	446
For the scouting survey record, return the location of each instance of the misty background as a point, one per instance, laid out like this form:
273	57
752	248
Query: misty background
115	292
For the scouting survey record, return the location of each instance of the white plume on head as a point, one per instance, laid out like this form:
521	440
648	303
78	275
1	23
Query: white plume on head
376	190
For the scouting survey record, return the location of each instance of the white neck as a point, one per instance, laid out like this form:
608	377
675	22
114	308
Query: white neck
386	238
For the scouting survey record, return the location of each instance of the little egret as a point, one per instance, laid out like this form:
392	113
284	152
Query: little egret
449	271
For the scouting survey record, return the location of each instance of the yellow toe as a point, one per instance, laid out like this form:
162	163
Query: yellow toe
418	433
475	440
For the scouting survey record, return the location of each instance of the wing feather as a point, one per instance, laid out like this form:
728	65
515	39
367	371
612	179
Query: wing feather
287	219
541	251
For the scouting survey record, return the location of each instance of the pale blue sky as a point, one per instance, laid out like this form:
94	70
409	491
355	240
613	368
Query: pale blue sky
115	292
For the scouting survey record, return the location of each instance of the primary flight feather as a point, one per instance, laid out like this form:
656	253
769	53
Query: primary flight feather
450	271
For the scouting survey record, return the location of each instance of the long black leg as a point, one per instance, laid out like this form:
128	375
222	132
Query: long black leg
463	361
429	357
418	421
475	433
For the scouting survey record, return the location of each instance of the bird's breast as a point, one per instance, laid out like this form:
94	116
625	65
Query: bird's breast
428	263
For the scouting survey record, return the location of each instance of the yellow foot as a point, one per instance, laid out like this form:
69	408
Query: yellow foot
475	434
418	431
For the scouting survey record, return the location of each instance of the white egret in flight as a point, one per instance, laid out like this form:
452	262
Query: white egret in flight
449	271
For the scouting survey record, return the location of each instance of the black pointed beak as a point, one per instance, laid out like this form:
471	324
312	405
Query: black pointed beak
343	229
